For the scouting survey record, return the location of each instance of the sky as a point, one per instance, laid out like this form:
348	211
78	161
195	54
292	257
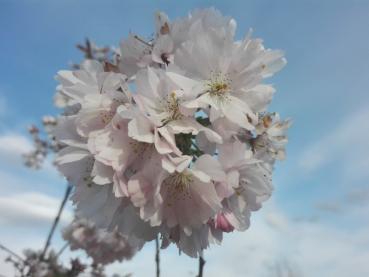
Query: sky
315	224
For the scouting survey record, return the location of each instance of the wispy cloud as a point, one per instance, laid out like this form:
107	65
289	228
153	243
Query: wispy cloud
12	146
30	208
274	246
312	247
346	144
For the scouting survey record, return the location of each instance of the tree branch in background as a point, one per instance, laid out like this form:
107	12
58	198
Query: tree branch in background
11	253
56	220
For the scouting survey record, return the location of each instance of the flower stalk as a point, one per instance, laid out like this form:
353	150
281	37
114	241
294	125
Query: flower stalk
201	266
157	257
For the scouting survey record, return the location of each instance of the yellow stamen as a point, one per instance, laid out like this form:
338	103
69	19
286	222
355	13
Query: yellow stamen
177	186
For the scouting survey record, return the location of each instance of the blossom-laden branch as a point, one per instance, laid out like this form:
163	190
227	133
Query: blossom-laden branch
43	143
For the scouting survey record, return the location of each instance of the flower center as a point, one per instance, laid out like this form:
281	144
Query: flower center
106	116
139	147
171	107
177	187
219	85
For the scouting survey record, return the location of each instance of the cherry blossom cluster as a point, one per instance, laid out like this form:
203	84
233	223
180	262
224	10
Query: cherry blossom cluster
102	246
172	136
44	142
34	265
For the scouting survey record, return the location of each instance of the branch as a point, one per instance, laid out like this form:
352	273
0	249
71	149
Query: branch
157	257
62	249
201	266
142	41
56	220
11	253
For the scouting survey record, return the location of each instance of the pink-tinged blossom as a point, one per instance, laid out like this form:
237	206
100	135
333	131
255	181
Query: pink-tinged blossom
269	144
97	94
189	195
229	75
248	178
161	101
221	222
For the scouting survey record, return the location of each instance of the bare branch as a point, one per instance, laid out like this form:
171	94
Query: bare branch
62	250
56	220
143	41
11	253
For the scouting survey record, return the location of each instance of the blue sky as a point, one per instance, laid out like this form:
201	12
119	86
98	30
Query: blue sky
316	221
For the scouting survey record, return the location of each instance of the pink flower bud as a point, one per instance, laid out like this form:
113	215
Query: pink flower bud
222	223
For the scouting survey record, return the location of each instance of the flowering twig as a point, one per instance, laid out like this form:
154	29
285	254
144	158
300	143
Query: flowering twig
201	266
56	220
157	257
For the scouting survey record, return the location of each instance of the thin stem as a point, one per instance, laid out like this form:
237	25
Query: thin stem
11	253
157	257
201	266
56	220
195	146
62	250
142	41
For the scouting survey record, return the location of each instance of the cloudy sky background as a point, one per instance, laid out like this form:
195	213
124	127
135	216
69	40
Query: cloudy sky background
316	223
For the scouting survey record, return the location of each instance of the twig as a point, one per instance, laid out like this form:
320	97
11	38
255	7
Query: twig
11	253
62	249
142	41
157	257
201	266
56	220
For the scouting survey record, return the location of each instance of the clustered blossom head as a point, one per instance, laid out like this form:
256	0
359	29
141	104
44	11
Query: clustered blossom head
36	265
43	145
102	246
174	139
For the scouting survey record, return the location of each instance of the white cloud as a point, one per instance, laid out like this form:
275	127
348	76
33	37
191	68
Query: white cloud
12	146
30	208
274	246
314	248
347	143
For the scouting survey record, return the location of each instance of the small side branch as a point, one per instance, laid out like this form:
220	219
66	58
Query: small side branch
157	257
62	250
143	41
201	266
10	252
56	220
